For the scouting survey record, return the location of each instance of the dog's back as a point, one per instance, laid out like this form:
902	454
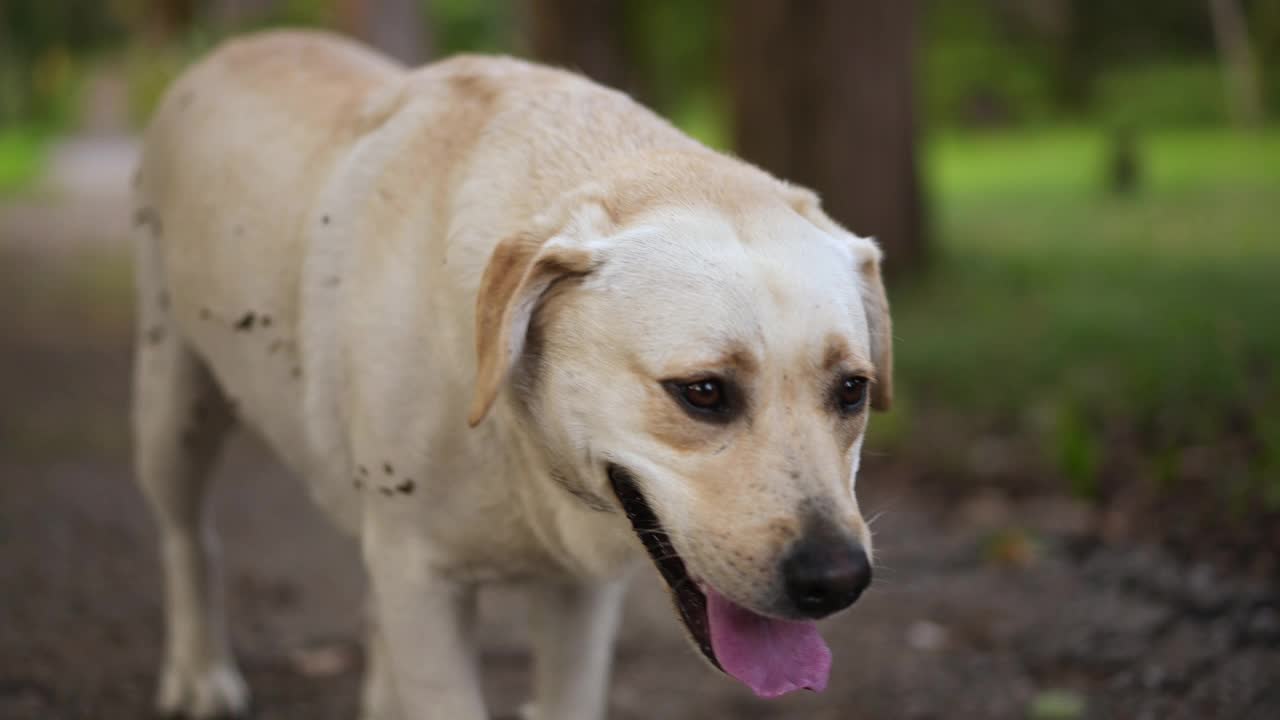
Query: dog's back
231	162
272	162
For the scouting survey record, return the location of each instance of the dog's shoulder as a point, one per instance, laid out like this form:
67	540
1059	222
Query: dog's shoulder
482	75
322	54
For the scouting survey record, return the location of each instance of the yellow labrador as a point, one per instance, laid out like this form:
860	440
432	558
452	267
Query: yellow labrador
509	326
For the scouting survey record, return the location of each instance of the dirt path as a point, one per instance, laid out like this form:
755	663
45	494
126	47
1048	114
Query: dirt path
967	619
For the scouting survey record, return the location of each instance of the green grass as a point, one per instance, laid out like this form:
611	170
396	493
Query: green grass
1068	165
1070	318
22	153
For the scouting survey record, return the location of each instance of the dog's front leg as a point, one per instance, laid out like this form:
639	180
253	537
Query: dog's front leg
426	622
574	627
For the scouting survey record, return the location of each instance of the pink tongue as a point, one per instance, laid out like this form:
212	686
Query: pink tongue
772	657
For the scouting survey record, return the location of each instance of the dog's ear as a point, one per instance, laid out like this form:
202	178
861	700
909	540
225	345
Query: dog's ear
521	270
875	302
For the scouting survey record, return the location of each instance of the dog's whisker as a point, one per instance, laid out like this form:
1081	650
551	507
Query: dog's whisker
661	558
896	591
900	583
872	520
890	503
686	580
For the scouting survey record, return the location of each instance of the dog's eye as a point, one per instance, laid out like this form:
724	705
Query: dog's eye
704	394
708	399
851	393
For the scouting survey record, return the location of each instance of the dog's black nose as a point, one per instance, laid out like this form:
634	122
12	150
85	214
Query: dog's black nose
824	575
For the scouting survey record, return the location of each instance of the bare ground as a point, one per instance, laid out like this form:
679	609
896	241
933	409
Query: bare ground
981	604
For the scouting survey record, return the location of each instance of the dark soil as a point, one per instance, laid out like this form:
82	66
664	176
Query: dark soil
982	603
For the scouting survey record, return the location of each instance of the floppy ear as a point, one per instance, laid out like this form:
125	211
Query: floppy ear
875	303
520	271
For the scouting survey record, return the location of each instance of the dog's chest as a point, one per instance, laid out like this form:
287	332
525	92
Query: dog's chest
496	535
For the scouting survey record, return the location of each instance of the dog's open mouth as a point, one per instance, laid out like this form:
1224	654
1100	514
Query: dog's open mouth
771	656
690	601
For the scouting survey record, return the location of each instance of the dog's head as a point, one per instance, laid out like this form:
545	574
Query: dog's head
706	366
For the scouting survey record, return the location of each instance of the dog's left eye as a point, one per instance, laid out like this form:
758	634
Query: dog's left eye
851	393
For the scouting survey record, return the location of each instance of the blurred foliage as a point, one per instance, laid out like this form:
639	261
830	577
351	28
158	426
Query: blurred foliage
472	25
1170	94
990	63
1152	64
149	72
678	50
456	26
41	47
21	155
1102	333
976	73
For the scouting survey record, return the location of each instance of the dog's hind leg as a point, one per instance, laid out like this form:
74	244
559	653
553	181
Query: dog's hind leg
180	419
574	628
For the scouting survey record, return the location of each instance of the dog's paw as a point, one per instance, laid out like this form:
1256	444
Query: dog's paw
216	692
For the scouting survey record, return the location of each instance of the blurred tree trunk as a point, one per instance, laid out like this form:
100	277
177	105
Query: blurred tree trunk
587	36
824	95
396	27
166	19
232	16
1231	34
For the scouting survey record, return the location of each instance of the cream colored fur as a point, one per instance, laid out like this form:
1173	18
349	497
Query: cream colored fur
353	260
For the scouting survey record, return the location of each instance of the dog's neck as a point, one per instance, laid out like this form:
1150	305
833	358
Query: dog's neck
568	518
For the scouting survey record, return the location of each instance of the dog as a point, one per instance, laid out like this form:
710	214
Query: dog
509	326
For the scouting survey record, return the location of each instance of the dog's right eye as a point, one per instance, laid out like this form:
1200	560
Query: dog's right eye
704	394
705	398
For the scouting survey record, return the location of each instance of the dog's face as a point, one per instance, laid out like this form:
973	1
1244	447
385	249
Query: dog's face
710	374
